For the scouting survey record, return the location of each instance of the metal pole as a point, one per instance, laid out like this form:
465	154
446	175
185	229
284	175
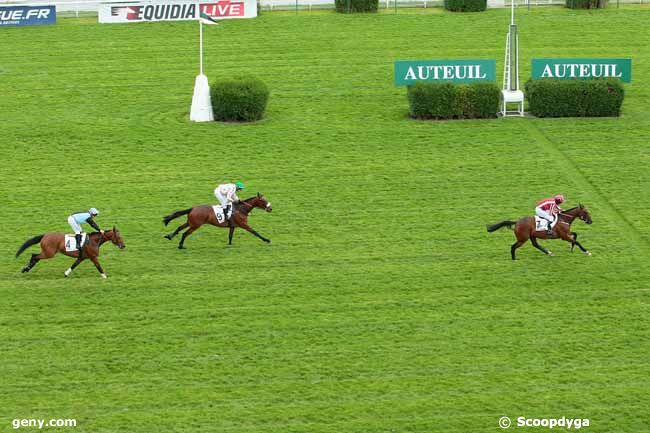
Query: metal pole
201	44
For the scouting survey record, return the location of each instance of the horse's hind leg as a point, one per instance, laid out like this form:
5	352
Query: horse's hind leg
514	247
181	227
539	247
185	234
71	268
32	262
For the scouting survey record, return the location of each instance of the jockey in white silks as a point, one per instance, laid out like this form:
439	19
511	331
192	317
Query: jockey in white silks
227	194
548	209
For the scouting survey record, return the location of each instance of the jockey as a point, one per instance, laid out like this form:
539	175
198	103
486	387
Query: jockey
226	194
548	209
86	217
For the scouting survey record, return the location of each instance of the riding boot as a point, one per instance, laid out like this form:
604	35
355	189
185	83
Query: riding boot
78	237
549	230
226	208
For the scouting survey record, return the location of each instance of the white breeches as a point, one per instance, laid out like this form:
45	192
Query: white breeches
76	228
222	198
543	214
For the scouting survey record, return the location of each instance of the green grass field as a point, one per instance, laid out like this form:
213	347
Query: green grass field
381	305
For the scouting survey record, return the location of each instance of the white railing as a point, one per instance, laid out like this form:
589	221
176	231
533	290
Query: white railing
77	6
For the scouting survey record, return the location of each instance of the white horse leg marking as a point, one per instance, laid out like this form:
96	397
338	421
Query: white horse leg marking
68	272
104	276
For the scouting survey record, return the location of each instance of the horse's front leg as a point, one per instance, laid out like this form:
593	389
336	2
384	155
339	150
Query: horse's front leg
74	265
249	229
98	266
572	238
231	231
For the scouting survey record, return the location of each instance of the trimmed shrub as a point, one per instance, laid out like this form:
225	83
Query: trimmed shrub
239	99
484	99
451	101
466	5
575	98
586	4
351	6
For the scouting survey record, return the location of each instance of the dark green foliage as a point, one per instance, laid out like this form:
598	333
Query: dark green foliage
350	6
575	98
586	4
451	101
239	99
466	5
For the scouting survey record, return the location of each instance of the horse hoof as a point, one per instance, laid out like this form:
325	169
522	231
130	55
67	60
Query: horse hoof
550	254
181	247
104	276
168	237
23	270
268	241
589	253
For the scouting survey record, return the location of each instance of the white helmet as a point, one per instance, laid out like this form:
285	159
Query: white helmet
93	211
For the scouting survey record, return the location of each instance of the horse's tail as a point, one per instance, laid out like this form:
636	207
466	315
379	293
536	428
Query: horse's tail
29	243
176	214
497	226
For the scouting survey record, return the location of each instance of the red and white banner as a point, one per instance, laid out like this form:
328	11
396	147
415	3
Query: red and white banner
148	11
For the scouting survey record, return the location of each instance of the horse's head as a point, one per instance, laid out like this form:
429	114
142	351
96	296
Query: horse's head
261	203
583	214
115	237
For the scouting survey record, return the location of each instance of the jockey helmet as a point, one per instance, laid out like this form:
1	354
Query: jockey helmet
239	185
559	199
93	211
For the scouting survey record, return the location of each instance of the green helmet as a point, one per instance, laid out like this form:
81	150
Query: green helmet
239	185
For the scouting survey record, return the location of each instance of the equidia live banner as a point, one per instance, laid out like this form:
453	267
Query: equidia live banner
27	15
145	11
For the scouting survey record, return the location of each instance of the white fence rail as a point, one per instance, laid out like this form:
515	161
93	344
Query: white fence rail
83	6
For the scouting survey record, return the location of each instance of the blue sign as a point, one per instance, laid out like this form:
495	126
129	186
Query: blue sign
27	15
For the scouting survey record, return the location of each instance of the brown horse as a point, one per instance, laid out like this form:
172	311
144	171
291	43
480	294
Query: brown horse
53	243
199	215
525	229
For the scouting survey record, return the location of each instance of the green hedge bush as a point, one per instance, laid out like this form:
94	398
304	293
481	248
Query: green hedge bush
351	6
239	99
586	4
453	101
574	98
466	5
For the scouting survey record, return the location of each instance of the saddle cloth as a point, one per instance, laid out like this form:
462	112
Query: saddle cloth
71	242
218	212
540	223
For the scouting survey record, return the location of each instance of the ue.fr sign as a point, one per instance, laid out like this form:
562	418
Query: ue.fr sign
27	15
457	71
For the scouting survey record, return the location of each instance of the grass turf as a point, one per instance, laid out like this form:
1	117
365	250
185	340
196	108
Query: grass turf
381	304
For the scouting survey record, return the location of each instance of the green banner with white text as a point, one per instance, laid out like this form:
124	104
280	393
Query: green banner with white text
582	69
408	72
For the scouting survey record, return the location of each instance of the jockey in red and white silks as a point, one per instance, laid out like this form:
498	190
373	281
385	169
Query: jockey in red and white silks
549	208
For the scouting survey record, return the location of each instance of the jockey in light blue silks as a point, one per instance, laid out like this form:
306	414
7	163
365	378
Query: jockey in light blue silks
226	194
84	217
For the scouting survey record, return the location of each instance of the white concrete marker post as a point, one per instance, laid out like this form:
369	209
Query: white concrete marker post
201	110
